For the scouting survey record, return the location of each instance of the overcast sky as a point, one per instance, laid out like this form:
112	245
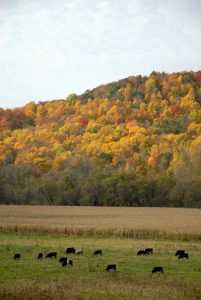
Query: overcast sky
51	48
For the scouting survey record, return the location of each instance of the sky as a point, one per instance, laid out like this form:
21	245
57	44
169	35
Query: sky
49	48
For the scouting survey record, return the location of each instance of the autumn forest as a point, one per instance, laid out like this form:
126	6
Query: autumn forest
134	142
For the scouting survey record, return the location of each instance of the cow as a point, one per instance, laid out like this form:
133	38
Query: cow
97	252
179	252
17	256
51	255
111	268
141	252
157	270
40	255
183	255
148	250
70	262
62	259
67	262
79	252
70	250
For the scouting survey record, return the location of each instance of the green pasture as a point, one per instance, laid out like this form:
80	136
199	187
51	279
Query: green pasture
87	279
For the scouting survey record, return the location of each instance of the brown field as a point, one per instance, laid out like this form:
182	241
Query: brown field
138	222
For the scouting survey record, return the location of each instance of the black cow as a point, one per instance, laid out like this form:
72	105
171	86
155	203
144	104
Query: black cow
111	268
141	252
97	252
40	255
157	270
51	255
148	250
70	262
183	255
67	262
16	256
179	252
70	250
62	259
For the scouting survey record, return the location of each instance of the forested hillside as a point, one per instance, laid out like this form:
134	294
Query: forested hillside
135	142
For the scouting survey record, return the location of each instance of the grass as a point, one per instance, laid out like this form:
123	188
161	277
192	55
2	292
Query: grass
139	223
87	279
119	232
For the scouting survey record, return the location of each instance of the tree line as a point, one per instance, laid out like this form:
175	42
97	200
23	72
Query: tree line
135	142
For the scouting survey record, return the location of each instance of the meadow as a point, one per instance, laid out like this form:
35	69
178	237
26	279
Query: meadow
30	278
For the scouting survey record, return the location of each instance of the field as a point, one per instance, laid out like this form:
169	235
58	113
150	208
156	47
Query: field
135	222
22	230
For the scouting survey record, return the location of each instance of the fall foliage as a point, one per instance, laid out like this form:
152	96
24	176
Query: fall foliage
135	142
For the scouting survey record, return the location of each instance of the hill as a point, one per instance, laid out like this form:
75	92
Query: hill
135	142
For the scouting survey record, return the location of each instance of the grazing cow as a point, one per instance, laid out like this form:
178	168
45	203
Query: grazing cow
70	250
97	252
141	252
40	255
51	255
111	268
148	250
70	262
179	252
62	259
67	262
157	270
79	252
183	255
16	256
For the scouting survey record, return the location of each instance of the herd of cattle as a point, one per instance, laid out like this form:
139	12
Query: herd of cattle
64	261
180	253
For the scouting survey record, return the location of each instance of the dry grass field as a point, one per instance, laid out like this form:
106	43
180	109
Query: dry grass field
137	222
119	232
